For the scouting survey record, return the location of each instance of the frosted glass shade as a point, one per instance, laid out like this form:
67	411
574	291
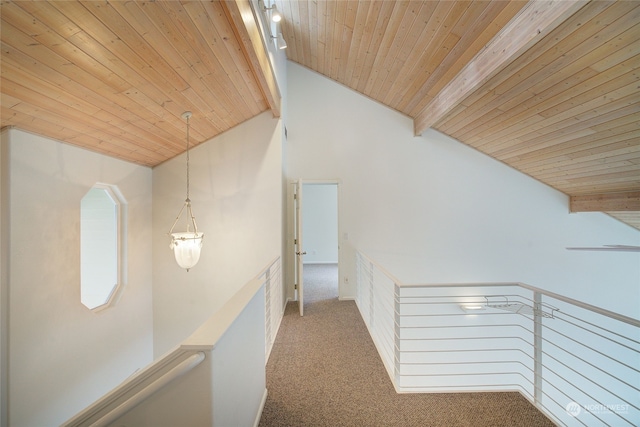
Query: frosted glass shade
186	248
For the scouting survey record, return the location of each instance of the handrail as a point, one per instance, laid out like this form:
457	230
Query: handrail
617	316
186	356
130	388
207	336
177	371
268	266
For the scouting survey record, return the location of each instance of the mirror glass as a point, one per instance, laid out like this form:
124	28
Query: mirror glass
99	246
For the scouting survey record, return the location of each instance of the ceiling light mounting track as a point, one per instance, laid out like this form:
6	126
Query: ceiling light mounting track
274	18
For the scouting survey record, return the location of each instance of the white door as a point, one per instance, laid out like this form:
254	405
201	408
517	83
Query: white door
298	247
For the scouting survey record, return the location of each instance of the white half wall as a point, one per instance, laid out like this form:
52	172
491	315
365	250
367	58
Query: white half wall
214	378
62	356
320	223
236	194
430	209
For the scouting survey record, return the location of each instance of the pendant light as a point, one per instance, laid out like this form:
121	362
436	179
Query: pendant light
186	245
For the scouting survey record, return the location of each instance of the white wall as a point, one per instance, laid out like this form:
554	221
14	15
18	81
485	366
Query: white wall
63	356
320	223
227	388
430	209
236	194
278	60
4	276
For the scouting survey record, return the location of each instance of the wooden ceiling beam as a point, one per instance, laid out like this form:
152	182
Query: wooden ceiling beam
537	19
607	202
240	15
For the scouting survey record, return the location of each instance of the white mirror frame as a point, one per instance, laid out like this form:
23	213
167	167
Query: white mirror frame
117	263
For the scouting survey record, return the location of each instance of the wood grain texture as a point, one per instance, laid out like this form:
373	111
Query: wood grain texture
564	109
609	202
115	76
535	21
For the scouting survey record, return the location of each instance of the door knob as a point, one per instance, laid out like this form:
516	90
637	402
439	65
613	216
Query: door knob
301	253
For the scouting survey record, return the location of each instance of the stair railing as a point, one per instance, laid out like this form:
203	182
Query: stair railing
204	377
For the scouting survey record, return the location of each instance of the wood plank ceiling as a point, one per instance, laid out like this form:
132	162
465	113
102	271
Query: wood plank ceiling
566	111
116	76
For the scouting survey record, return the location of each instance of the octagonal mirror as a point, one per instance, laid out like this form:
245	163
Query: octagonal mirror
101	211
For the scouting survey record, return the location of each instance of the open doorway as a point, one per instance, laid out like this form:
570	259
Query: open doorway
320	230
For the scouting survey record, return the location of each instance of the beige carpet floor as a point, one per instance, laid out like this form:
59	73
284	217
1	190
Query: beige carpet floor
324	370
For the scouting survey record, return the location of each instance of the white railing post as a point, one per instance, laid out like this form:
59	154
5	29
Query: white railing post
537	348
396	332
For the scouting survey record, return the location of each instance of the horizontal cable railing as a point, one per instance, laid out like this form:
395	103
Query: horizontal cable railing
274	302
577	363
453	350
376	302
592	366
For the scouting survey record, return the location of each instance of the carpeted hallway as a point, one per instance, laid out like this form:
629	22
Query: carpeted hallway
324	370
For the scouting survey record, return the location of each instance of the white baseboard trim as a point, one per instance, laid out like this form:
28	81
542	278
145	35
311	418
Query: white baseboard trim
262	403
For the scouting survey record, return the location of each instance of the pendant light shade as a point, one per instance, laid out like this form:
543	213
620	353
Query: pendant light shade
187	244
186	248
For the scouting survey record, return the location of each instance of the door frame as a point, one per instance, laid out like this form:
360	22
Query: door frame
291	256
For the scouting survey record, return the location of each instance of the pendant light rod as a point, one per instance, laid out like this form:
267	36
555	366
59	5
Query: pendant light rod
187	115
186	245
187	204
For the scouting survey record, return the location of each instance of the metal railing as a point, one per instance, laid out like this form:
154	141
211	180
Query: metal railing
376	301
577	363
271	276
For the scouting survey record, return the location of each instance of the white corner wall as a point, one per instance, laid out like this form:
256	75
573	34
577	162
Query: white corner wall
4	277
236	194
430	209
63	356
